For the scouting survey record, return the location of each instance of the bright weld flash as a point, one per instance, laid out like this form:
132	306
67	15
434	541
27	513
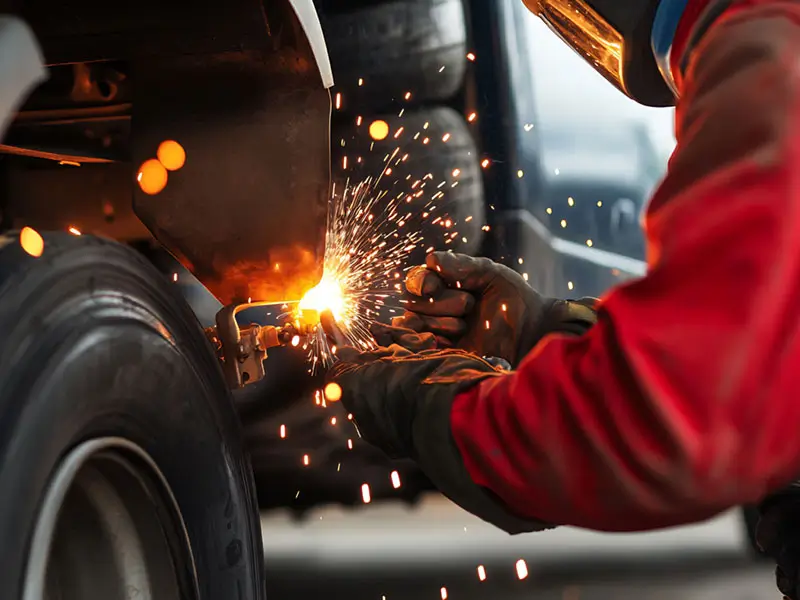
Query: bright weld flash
326	295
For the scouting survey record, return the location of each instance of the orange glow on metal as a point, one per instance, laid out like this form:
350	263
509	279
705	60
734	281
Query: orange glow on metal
586	32
74	231
31	241
152	177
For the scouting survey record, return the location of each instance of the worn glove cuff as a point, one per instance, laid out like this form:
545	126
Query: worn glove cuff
436	452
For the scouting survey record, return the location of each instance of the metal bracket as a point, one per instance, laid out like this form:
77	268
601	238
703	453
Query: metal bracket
242	350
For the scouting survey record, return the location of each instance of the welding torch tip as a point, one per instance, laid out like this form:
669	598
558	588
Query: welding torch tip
332	329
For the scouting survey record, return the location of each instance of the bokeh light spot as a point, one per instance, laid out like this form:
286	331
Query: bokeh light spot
171	154
31	241
379	130
152	177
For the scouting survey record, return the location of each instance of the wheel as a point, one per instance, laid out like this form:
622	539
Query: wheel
440	164
121	463
382	50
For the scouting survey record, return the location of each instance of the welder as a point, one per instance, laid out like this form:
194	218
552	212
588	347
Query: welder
678	395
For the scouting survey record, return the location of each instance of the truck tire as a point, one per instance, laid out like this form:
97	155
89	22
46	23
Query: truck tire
395	47
451	161
121	461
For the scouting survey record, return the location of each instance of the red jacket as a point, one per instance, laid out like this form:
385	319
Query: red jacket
684	399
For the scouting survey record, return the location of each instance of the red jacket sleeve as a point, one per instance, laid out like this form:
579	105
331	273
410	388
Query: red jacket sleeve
684	399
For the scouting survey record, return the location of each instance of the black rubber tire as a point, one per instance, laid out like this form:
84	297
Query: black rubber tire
437	158
395	47
95	343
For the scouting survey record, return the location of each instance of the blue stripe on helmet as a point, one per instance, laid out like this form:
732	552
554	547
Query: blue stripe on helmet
665	25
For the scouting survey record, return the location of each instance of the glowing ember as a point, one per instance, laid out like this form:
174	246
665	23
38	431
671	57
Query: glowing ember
365	495
522	569
333	392
306	460
395	480
481	573
443	591
283	432
379	130
74	231
31	241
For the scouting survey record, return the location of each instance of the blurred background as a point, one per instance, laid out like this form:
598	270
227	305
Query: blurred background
405	553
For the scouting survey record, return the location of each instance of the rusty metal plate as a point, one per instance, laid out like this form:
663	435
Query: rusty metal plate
247	211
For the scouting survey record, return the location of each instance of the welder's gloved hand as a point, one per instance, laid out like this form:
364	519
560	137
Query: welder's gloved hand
778	535
401	400
385	388
484	307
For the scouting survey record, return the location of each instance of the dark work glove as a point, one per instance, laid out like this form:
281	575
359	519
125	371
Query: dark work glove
483	307
778	535
387	387
401	402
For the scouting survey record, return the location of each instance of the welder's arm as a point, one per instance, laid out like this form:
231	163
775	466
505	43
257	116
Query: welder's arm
682	400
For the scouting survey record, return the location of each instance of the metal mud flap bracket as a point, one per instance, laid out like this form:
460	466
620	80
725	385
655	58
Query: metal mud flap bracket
246	212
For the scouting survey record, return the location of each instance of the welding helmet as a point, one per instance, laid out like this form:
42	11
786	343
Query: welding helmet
626	41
